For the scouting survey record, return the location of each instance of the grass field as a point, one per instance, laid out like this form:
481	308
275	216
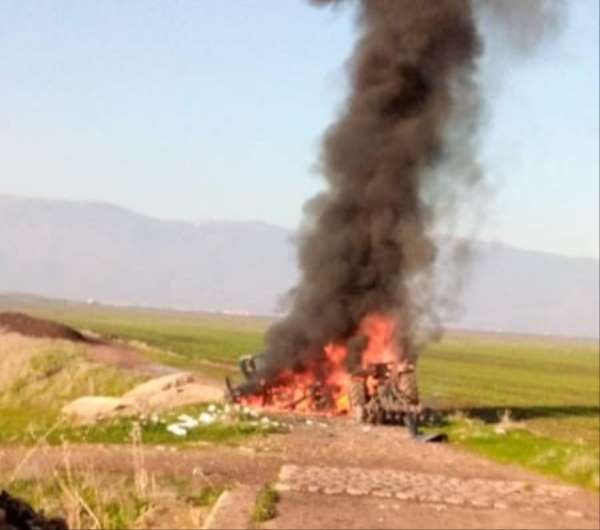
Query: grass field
550	386
40	377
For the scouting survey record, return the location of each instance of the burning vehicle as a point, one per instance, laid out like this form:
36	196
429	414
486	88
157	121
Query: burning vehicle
381	393
250	368
365	302
398	162
365	379
385	393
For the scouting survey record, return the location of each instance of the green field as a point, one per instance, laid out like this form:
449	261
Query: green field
549	386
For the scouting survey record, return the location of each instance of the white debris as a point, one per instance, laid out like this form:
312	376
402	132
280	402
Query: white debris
154	418
366	429
187	422
206	418
176	429
265	421
574	513
309	422
212	408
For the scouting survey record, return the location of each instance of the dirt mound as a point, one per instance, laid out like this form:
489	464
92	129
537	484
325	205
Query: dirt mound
37	327
16	514
161	394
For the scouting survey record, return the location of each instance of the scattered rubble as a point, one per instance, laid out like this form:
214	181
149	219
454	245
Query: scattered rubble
227	414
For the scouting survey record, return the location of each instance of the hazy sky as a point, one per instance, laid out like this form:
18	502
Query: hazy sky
212	109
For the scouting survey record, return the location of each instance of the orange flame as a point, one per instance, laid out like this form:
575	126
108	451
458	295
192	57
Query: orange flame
322	388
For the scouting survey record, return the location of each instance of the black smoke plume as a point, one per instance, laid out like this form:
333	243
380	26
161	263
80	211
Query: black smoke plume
366	245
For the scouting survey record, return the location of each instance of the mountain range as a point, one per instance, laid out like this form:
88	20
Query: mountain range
96	251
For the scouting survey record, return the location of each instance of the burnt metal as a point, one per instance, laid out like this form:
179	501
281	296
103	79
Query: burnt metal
250	366
380	393
436	437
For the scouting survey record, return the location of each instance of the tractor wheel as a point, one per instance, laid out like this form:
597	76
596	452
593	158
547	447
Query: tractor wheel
358	401
407	384
375	413
371	416
412	424
380	416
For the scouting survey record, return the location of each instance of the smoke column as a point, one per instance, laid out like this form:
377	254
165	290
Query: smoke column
366	245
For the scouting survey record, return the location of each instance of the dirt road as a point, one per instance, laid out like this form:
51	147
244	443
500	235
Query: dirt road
338	475
125	357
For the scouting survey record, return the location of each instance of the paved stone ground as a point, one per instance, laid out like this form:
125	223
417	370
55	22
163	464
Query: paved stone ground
343	476
233	509
438	491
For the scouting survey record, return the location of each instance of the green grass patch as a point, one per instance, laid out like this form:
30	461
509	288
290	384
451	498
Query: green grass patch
575	463
118	431
193	336
30	406
553	385
231	429
265	507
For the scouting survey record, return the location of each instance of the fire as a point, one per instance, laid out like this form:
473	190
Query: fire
323	386
381	347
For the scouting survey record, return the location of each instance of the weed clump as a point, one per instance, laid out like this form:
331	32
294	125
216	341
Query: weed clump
265	508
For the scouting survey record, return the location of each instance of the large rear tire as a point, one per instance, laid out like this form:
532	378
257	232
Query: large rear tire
358	401
407	385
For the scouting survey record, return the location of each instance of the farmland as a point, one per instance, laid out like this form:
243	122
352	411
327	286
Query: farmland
519	399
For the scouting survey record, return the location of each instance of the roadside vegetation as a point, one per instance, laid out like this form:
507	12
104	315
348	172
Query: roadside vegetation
39	377
525	400
528	401
516	444
46	375
136	499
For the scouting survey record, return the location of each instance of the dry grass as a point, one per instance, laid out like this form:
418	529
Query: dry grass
39	376
95	499
507	423
16	352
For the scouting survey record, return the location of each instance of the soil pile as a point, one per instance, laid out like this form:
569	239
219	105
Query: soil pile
160	394
37	327
16	514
